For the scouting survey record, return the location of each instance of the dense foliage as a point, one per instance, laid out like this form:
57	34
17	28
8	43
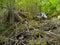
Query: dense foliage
29	22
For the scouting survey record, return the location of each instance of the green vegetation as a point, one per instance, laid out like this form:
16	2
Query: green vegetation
29	22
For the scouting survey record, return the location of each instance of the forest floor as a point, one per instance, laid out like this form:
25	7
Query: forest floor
31	32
